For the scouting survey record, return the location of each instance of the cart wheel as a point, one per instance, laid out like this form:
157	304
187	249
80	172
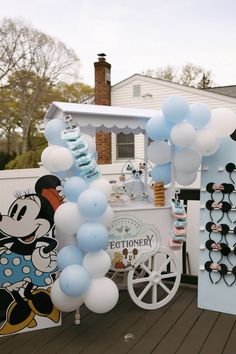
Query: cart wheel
154	283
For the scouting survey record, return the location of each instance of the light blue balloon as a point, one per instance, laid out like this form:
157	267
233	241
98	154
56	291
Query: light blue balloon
73	187
162	173
175	109
92	237
158	128
61	174
69	255
53	131
92	203
74	280
199	115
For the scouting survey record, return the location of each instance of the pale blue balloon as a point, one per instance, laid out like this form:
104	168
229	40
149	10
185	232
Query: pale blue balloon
73	187
92	237
175	109
74	171
158	128
199	115
69	255
61	174
92	203
53	131
162	173
74	280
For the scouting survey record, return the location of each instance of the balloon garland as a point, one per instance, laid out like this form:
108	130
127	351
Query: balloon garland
82	221
193	130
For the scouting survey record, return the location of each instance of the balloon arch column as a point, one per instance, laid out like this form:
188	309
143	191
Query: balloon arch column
134	236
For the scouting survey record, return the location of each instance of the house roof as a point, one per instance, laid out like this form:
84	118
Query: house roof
103	118
211	93
224	90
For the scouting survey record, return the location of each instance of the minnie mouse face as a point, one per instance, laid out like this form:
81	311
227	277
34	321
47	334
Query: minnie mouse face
23	220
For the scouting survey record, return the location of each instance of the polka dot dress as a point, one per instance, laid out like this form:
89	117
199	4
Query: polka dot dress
16	267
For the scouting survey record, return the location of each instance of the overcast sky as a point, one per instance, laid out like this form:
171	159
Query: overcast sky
139	34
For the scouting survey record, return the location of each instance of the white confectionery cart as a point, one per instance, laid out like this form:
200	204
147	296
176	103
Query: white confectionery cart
139	245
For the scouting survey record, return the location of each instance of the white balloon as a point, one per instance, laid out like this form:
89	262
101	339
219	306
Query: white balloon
183	134
159	152
67	218
185	179
222	122
103	185
62	301
206	143
62	159
46	157
97	264
187	160
91	143
102	295
107	218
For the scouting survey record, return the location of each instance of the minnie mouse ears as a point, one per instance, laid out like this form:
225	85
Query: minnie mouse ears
47	187
230	167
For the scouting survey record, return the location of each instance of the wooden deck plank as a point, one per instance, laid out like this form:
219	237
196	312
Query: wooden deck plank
91	331
179	330
141	326
217	339
230	346
198	333
156	333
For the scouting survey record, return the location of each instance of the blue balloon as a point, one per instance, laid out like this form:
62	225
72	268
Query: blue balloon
73	187
61	174
74	171
92	203
199	115
74	280
69	255
158	128
175	109
53	131
162	173
92	237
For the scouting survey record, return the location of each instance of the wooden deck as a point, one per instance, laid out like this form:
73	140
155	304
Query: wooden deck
179	327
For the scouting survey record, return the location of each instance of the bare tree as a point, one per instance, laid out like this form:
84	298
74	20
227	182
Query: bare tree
31	62
188	75
24	48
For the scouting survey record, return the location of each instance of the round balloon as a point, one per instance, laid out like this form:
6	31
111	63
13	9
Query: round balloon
206	143
183	134
159	152
97	264
92	237
62	301
67	218
162	173
53	131
62	159
74	280
158	128
69	255
46	158
102	295
175	109
187	160
222	122
107	218
103	185
73	187
199	115
92	203
185	179
91	143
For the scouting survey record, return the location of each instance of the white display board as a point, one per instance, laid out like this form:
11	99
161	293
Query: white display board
217	288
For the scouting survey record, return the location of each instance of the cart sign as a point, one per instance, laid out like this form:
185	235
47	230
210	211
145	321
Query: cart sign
131	242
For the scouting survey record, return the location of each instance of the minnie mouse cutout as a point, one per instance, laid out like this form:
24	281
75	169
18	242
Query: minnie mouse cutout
28	257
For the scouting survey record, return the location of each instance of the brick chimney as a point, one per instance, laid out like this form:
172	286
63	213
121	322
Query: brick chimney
103	97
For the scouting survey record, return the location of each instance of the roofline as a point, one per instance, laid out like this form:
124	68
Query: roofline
185	88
